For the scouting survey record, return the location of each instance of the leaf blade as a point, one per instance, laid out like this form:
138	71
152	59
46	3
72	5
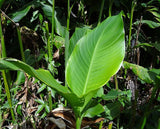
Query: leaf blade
89	66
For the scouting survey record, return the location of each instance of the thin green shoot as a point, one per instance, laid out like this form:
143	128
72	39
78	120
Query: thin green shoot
110	7
100	125
49	48
4	74
8	94
68	17
67	34
130	25
101	10
20	42
116	81
53	12
1	118
110	125
144	122
2	42
78	122
50	100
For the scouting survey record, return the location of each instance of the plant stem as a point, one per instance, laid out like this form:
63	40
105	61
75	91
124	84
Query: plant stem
144	122
3	51
101	124
67	35
110	125
4	73
67	41
130	26
1	119
50	100
116	81
118	123
2	41
53	12
49	48
78	122
20	43
110	7
68	17
101	10
8	94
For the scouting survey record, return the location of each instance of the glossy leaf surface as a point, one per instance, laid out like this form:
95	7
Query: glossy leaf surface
78	34
96	57
112	110
42	75
140	71
17	16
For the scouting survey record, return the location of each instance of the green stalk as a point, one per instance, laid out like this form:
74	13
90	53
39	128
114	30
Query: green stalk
101	124
49	48
8	94
130	26
67	41
144	122
50	100
67	34
116	81
78	122
20	43
3	48
110	125
118	123
53	11
100	13
2	41
1	118
4	73
68	17
110	7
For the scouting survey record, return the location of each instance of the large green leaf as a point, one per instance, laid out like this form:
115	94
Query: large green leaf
59	28
140	71
112	110
96	57
95	109
44	76
78	34
150	23
17	16
40	74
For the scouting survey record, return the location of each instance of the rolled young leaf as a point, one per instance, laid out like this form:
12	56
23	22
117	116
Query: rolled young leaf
96	57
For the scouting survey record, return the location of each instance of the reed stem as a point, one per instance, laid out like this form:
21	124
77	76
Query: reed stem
4	73
101	10
2	41
131	22
53	12
110	7
20	43
50	100
100	125
49	48
1	119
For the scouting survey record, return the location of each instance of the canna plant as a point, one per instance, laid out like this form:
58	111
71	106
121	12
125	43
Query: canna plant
92	60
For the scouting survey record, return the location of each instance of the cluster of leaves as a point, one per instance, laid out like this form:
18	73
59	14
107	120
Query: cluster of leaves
132	95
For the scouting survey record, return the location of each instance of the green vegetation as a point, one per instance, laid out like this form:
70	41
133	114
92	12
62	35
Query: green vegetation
80	64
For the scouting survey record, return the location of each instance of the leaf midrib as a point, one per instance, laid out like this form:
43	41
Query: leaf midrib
90	66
